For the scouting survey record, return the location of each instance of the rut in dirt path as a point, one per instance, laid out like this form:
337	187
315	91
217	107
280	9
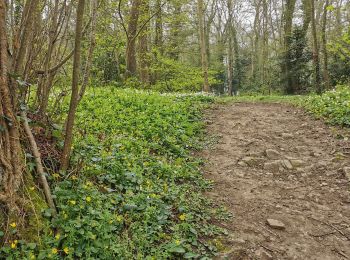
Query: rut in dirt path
275	162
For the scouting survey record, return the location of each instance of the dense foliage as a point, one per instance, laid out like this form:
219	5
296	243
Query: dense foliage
137	191
334	106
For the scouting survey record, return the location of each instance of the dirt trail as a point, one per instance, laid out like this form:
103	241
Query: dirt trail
275	162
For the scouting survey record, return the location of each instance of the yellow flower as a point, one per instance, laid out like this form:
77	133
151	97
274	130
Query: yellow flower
66	250
54	251
57	236
74	177
31	256
119	218
13	225
88	199
32	188
13	245
73	202
182	217
177	242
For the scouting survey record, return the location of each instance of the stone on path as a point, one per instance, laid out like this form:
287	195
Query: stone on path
347	173
297	163
273	166
287	164
272	154
252	161
287	135
276	224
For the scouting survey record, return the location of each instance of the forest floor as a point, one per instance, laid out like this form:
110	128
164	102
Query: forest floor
274	163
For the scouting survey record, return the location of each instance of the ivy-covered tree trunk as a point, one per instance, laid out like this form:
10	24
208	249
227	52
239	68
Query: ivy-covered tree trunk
287	66
11	161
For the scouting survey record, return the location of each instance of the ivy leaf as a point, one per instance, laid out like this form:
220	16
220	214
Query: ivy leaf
177	249
190	255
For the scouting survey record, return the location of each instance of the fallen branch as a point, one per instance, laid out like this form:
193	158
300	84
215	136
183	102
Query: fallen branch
39	166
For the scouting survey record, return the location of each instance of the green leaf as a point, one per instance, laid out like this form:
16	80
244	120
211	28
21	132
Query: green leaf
190	255
177	249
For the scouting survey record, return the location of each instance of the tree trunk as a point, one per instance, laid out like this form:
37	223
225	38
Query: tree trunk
265	56
229	50
45	82
324	46
11	161
143	45
175	29
288	24
158	40
203	48
256	59
316	61
131	64
88	64
238	66
75	88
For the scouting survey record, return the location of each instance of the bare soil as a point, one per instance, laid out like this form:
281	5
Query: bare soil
311	197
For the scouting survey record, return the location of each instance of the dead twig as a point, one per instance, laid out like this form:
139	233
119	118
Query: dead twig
39	166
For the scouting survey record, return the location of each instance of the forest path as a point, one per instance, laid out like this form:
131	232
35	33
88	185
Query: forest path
273	161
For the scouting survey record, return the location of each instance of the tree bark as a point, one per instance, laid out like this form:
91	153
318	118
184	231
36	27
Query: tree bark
75	87
143	45
229	50
88	64
324	46
158	39
203	48
45	81
11	161
288	25
316	61
131	63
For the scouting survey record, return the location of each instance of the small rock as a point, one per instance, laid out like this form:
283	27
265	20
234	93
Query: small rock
347	172
287	135
272	154
297	163
276	224
262	254
273	166
252	161
243	164
238	241
287	164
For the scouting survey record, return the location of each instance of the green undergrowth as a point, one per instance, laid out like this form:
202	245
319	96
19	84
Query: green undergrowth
136	191
333	106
